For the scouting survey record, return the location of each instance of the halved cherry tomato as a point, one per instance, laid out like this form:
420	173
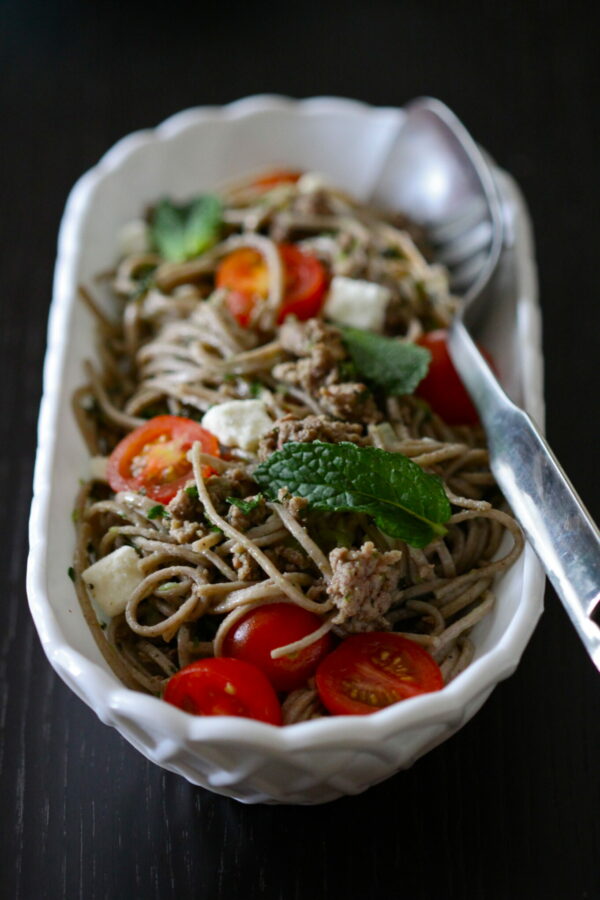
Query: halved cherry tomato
245	273
254	636
442	387
224	687
305	284
153	457
370	671
273	178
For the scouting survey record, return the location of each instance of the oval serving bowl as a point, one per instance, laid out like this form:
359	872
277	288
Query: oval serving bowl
316	761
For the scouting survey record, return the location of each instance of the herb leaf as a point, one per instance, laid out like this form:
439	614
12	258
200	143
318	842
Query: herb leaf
246	506
387	363
192	491
157	512
405	501
184	231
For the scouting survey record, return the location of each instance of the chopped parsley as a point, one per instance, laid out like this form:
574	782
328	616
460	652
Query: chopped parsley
157	512
246	506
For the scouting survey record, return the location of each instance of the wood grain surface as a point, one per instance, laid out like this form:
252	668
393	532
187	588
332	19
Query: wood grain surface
508	809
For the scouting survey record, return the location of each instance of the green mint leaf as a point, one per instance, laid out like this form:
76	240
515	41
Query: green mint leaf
246	506
71	573
184	231
386	363
157	512
192	491
405	501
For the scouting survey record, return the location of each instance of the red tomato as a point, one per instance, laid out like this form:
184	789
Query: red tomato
305	284
442	387
245	273
276	176
254	636
224	687
370	671
153	457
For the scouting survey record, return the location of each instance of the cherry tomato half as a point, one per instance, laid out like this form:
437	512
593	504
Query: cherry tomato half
254	636
370	671
153	457
245	273
274	177
442	387
224	687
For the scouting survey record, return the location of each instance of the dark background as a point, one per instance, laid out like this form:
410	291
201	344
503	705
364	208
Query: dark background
510	807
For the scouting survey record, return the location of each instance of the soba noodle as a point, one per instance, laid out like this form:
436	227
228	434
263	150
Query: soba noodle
173	347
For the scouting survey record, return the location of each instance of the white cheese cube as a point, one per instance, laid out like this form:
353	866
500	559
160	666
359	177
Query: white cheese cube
238	423
134	238
98	468
112	580
356	303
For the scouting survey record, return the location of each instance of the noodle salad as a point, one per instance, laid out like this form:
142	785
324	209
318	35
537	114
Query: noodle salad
290	511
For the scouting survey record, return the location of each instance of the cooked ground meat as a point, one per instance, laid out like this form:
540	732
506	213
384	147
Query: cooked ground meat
351	401
245	520
300	338
187	522
290	559
246	567
319	348
186	532
185	506
296	506
232	483
311	428
362	587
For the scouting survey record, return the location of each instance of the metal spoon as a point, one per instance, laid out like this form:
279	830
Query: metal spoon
440	177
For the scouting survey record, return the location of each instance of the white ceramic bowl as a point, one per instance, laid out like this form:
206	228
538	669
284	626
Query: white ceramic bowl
316	761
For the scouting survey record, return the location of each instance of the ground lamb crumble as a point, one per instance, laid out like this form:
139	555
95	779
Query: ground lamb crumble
362	587
320	350
305	431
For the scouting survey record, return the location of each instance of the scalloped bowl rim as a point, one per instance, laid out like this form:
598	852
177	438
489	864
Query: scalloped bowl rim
99	687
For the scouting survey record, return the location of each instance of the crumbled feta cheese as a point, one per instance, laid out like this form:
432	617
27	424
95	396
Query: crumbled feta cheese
98	468
134	238
112	580
238	423
356	303
313	181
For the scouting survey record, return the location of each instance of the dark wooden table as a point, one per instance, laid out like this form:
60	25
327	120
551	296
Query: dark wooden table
509	808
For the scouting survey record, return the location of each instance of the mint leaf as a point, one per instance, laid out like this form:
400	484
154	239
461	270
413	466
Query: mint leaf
157	512
405	501
192	491
386	363
182	232
246	506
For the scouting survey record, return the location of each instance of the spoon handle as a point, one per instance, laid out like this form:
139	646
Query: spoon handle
557	524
